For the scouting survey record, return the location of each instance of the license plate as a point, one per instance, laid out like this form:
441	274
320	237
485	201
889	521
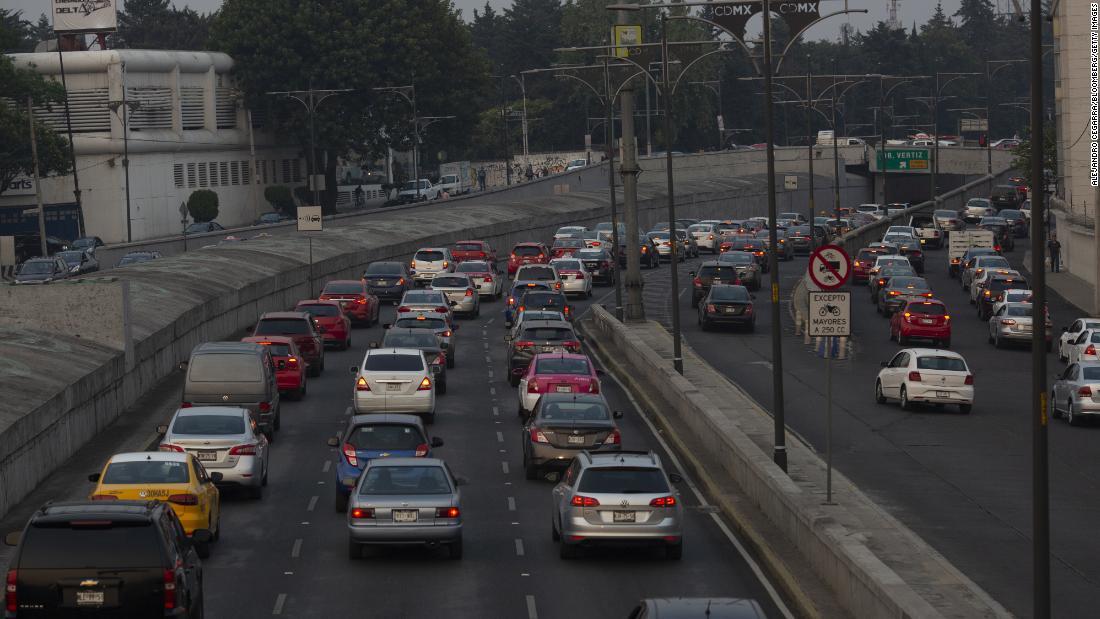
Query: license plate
622	516
575	440
729	310
89	598
943	394
381	282
393	387
927	321
590	265
206	456
405	515
563	389
551	349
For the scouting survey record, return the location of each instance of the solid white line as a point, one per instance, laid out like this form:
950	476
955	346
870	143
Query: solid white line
519	547
532	612
490	375
703	502
500	437
504	467
488	359
681	295
326	466
511	504
312	503
296	551
279	601
347	412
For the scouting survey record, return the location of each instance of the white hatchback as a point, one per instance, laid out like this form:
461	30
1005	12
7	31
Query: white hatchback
926	375
574	278
394	380
1070	333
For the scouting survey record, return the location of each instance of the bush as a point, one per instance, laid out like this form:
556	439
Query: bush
280	198
203	205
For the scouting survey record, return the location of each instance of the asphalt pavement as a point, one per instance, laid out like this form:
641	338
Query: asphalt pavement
962	482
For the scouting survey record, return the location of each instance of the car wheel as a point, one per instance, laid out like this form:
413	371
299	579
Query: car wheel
946	343
355	551
530	469
879	397
451	360
340	505
513	380
1071	419
454	550
1054	412
674	552
903	399
694	302
203	550
554	536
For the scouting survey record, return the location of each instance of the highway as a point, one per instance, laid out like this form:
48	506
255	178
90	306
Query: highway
961	482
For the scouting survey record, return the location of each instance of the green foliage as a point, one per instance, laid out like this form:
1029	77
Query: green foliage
280	198
1022	161
202	204
157	24
15	143
304	195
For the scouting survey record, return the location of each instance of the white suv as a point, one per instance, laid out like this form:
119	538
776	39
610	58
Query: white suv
428	261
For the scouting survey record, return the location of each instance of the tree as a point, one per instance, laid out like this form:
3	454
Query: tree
280	199
15	144
202	204
156	24
1022	162
532	31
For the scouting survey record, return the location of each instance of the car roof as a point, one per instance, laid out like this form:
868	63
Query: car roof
471	242
704	608
348	281
285	315
114	510
373	462
386	418
432	249
528	244
150	456
395	350
546	323
226	347
274	339
939	352
559	355
209	410
319	302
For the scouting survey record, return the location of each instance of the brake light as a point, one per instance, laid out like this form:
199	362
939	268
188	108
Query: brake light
748	308
614	438
488	278
645	248
401	281
580	275
1007	321
565	310
447	512
362	513
593	386
265	407
425	384
469	292
927	295
403	308
361	300
421	450
413	264
185	498
292	362
537	436
185	405
907	317
1085	391
532	387
697	282
104	497
524	344
361	384
663	501
914	376
711	308
170	447
969	380
893	293
445	264
1091	350
243	450
521	309
946	317
169	579
511	300
988	293
557	285
954	261
349	454
11	599
573	346
441	310
447	333
583	501
441	359
856	263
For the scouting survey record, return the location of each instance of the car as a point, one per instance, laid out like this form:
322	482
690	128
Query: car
71	554
437	325
224	440
1013	323
1011	295
527	253
79	261
708	608
926	230
706	236
303	329
663	240
686	241
460	292
427	302
576	164
931	375
1070	333
563	424
1084	348
568	373
1004	144
1017	221
757	248
599	264
473	250
178	479
485	275
565	248
290	367
711	272
137	257
575	278
539	273
570	232
355	298
872	209
800	218
552	300
976	262
42	270
604	230
947	221
426	342
1003	237
1075	393
387	280
538	336
1005	196
976	208
87	243
335	326
906	230
865	260
406	501
924	319
727	305
519	288
202	227
271	218
394	380
801	239
234	374
429	261
993	285
748	270
617	497
785	251
883	261
915	254
648	255
900	289
367	437
594	239
420	190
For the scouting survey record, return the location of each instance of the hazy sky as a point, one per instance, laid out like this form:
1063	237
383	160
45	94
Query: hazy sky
908	10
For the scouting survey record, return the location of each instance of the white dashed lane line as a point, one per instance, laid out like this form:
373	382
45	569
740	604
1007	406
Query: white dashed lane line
504	467
532	612
326	466
312	503
500	437
280	600
519	547
296	550
511	504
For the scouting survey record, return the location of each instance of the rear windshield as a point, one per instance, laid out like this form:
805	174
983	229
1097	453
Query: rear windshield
279	350
224	368
468	247
319	310
429	256
574	411
1090	373
282	326
422	297
908	282
348	288
869	254
420	323
537	273
388	362
737	257
405	480
997	285
571	366
410	340
569	265
386	437
590	254
953	364
931	309
147	472
718	272
543	299
472	267
208	424
623	481
385	268
990	262
526	250
548	333
729	293
101	544
1018	310
450	282
569	243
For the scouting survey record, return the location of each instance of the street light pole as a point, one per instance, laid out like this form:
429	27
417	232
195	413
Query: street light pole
810	152
610	132
311	99
836	155
673	237
522	81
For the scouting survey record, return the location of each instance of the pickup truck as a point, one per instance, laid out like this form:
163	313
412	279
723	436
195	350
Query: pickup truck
927	232
452	184
960	241
410	193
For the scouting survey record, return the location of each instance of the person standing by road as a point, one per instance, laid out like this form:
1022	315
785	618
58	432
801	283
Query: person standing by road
1055	249
481	179
529	173
358	196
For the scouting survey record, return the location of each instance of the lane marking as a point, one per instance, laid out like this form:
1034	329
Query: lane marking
279	601
312	503
488	359
532	612
489	322
492	390
496	411
296	551
682	291
504	467
347	412
511	503
519	547
500	437
490	375
326	466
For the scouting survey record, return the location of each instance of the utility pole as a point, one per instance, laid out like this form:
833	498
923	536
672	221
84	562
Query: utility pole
125	106
635	309
810	152
311	99
673	237
836	155
69	129
609	98
43	247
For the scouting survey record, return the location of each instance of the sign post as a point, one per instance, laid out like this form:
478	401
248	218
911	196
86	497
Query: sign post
309	220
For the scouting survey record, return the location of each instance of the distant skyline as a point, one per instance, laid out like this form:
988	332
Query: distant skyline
909	11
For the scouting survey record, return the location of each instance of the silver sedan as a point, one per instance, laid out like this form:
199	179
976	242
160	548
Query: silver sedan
461	292
406	502
1075	394
226	440
1013	323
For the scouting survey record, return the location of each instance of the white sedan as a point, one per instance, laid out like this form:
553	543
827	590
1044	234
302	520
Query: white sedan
394	380
1085	347
1070	333
926	375
574	278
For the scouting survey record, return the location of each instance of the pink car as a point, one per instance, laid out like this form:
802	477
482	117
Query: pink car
556	373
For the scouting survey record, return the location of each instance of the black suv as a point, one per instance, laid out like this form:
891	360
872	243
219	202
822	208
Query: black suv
711	272
105	559
546	300
1005	196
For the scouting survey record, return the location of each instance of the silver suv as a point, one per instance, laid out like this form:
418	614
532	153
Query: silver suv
609	498
428	261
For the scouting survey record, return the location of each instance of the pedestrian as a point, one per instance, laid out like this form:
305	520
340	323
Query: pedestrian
359	196
1055	249
529	173
481	179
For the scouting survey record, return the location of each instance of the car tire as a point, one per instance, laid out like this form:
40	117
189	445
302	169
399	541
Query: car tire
674	552
203	550
903	400
454	550
429	418
340	504
965	408
451	361
946	343
554	536
355	551
513	380
530	469
1054	412
879	397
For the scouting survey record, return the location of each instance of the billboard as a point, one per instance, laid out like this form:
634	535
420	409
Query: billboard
625	36
76	16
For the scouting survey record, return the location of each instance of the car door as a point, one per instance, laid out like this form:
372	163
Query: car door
995	321
564	489
892	375
1079	344
1068	337
1062	386
208	493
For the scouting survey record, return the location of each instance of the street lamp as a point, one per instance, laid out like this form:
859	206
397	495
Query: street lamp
126	107
311	99
991	69
408	93
522	81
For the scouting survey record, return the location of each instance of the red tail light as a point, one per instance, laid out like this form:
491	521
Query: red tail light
440	359
697	282
447	512
1090	350
403	308
185	405
243	450
580	274
524	344
11	599
421	450
401	282
565	310
469	292
914	376
1085	391
349	454
969	379
663	501
425	384
748	309
593	386
361	384
185	498
169	579
614	438
584	501
447	333
1007	321
292	362
170	447
362	513
441	309
265	407
573	346
488	279
532	386
537	436
104	497
361	300
711	308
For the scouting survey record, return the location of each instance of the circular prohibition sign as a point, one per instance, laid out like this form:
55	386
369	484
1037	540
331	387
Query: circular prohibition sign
829	267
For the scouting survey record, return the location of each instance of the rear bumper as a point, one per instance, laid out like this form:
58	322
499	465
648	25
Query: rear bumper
248	471
574	286
590	534
405	534
548	456
940	395
424	276
728	319
926	332
414	404
388	292
289	382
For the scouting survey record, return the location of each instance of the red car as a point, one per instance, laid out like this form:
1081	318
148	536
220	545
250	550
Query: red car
331	316
1021	185
565	248
290	368
865	259
527	253
359	304
473	250
556	373
924	320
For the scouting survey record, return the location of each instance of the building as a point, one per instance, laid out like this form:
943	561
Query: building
187	129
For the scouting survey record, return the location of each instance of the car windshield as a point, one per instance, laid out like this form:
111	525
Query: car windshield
718	272
422	298
590	254
543	299
1018	311
450	282
729	293
1090	373
556	334
537	273
410	340
428	255
348	288
317	309
977	202
468	247
82	243
36	267
393	362
997	285
147	472
992	262
941	362
76	545
737	257
71	258
384	268
420	323
930	309
282	326
562	365
526	250
404	480
573	411
278	349
222	368
623	481
472	266
208	424
908	282
385	437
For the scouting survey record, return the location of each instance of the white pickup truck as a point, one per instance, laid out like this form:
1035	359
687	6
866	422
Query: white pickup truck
926	229
411	193
961	240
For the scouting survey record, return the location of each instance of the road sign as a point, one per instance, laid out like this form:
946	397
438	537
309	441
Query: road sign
830	314
790	182
904	160
973	124
309	219
624	36
829	267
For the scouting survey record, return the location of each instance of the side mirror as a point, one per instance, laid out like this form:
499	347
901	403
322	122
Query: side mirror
162	429
216	477
437	442
691	273
374	344
333	442
884	363
353	370
12	539
617	415
461	481
386	325
201	536
94	478
183	365
675	478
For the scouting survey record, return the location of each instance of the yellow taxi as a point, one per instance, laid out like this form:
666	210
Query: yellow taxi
173	477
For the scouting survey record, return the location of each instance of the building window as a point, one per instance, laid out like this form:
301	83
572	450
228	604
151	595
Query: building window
225	173
296	170
234	172
202	175
286	171
177	175
190	175
246	173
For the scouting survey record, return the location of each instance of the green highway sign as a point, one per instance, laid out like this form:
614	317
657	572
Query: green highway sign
905	160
